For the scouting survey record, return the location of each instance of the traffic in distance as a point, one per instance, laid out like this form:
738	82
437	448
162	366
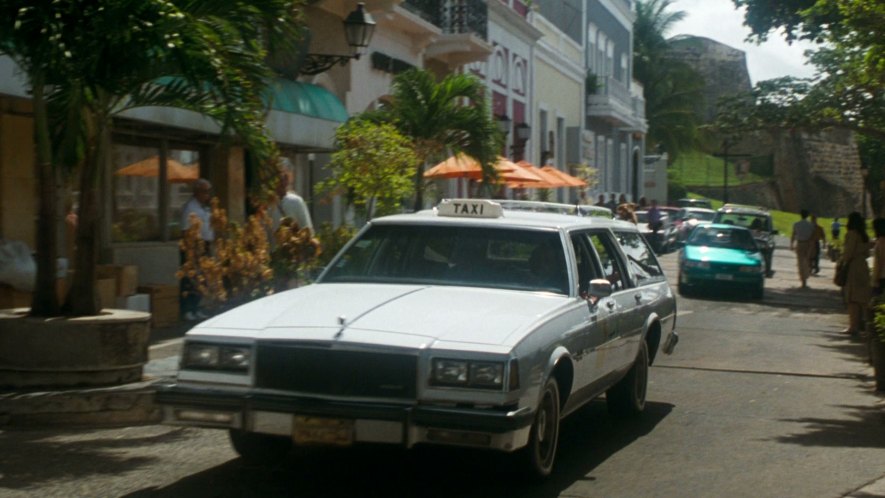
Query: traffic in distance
467	325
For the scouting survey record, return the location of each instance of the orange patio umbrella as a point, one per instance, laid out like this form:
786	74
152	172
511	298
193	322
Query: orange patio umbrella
546	180
175	171
571	181
464	166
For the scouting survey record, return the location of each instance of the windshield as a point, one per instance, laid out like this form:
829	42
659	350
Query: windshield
532	260
732	238
753	222
699	215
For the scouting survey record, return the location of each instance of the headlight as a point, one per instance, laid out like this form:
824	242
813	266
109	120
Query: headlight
462	373
216	357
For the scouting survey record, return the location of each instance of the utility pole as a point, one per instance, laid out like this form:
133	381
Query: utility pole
726	144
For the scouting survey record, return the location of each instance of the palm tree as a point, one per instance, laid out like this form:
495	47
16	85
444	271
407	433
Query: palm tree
203	55
441	118
673	90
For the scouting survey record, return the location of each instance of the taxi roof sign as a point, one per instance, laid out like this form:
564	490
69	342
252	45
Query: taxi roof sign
470	208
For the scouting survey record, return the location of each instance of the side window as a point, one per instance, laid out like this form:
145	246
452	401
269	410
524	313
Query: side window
612	268
643	265
588	266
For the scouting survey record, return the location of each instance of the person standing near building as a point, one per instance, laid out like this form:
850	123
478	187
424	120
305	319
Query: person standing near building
800	241
879	258
612	203
289	205
197	208
857	291
818	239
654	216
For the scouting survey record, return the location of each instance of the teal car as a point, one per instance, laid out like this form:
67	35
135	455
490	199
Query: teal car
722	256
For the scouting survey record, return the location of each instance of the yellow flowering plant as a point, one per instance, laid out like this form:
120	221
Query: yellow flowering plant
237	269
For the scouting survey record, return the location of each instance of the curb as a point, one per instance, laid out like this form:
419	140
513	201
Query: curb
124	405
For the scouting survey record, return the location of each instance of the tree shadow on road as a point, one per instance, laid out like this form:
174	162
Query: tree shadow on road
587	438
865	429
810	300
70	454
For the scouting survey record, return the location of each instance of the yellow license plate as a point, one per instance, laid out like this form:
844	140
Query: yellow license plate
322	431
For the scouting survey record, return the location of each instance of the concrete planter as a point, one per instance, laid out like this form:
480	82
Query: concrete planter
103	350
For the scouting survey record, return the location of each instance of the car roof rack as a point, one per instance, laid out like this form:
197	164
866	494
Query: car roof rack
556	207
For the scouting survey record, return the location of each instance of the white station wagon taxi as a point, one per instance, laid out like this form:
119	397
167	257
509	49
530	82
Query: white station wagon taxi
466	325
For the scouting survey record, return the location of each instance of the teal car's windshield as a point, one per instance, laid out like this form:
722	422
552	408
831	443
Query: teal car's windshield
731	238
532	260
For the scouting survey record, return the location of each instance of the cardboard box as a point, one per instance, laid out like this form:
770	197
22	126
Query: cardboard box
164	304
125	276
135	302
107	292
14	298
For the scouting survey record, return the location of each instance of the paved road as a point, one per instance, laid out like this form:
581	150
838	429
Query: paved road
760	399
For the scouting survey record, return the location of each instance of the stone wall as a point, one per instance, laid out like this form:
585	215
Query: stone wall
817	171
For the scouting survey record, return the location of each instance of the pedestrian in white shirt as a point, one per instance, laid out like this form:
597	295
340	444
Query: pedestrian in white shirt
289	205
197	208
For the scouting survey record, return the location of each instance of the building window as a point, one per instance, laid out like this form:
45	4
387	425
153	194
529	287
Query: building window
591	47
143	208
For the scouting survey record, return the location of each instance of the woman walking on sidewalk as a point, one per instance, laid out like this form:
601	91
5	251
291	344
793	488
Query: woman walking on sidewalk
854	255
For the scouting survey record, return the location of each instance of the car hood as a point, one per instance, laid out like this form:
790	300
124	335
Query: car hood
402	315
722	255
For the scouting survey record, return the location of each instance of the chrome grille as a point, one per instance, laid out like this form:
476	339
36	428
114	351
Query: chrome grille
336	372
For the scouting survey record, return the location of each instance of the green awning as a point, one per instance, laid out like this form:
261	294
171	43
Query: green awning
308	100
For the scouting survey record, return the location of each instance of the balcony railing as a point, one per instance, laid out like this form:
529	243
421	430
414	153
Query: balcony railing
613	89
453	16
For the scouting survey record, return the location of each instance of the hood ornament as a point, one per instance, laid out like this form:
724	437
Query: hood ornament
342	321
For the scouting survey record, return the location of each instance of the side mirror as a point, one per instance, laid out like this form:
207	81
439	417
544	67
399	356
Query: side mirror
600	288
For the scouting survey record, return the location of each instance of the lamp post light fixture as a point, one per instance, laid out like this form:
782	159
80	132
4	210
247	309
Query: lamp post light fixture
521	133
359	26
504	123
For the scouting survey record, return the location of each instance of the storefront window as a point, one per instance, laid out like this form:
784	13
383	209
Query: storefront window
144	209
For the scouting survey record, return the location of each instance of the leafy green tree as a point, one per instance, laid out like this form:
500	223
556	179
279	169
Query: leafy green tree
673	90
847	91
374	165
94	59
443	117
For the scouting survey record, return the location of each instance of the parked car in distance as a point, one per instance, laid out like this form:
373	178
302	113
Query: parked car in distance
466	325
758	220
721	255
656	238
688	218
701	203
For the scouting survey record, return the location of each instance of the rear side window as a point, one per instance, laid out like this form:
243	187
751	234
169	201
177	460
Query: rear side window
641	261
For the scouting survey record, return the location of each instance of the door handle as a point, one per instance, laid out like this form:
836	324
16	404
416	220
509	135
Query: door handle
611	305
638	297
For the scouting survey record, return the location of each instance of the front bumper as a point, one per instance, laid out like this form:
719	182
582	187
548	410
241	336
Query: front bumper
373	422
699	276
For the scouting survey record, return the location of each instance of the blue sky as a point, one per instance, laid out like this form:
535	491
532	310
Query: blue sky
720	21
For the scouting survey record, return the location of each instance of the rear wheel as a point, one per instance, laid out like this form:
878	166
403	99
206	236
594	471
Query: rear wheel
627	397
540	453
259	448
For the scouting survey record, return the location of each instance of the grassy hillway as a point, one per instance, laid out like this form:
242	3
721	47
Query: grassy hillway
700	169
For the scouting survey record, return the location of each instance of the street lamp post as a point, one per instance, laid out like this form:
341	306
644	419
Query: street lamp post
359	26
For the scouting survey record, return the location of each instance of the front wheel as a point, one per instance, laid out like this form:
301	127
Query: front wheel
259	448
627	397
540	453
